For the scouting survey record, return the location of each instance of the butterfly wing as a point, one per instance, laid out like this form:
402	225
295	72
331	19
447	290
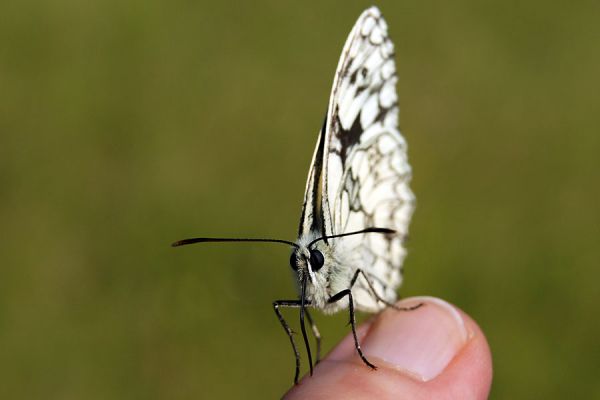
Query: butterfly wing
365	170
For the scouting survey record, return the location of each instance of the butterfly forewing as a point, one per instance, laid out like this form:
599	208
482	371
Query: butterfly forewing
360	172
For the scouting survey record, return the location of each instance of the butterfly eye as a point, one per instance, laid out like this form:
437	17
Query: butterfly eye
294	261
316	260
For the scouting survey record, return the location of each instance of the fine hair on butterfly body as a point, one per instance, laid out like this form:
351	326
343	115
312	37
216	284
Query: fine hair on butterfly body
357	203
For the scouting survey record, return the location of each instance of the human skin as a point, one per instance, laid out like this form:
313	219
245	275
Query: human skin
434	352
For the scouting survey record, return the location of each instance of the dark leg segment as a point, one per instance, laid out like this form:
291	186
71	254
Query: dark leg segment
304	335
286	327
290	333
337	297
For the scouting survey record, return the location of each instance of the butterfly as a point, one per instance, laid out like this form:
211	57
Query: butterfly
357	203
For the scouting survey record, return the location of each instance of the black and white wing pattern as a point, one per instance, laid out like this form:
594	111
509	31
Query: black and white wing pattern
360	173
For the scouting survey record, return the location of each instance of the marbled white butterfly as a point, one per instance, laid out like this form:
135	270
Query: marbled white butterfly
357	204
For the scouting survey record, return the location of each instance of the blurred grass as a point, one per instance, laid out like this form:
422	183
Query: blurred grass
125	125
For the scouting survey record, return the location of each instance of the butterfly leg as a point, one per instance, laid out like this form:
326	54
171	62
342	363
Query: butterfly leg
379	298
296	304
286	328
316	334
337	297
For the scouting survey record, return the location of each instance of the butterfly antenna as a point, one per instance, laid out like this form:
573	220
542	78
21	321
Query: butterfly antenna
206	240
386	231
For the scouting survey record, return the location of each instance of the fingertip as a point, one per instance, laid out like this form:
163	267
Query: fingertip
435	351
469	374
421	341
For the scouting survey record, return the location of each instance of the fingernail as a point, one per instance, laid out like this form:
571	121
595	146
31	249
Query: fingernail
421	342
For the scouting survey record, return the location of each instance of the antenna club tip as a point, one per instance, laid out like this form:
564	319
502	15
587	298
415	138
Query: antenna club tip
385	230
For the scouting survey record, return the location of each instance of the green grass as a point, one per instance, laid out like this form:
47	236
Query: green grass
127	125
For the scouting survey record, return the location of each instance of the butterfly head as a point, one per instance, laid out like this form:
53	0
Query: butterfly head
307	261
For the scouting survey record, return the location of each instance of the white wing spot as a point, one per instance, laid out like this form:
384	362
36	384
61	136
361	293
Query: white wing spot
391	118
387	96
369	111
383	25
376	36
367	26
386	144
387	49
388	69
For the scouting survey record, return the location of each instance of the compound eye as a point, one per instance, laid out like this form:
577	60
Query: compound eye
316	260
294	261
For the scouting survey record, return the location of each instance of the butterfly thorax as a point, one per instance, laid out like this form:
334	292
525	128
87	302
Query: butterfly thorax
324	272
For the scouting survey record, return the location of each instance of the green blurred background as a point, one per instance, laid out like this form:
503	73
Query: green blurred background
125	125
